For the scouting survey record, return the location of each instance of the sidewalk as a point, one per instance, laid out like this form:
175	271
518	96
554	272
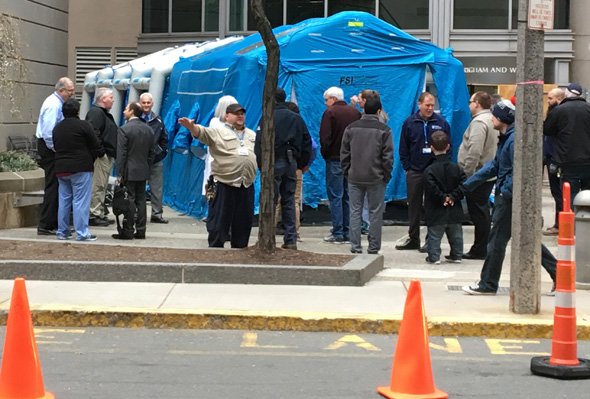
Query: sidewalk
375	308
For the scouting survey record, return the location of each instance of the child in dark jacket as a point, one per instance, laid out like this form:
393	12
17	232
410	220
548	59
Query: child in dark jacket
442	201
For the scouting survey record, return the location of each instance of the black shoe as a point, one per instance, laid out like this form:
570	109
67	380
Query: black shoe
372	252
122	237
139	236
45	232
408	244
423	249
473	256
452	259
356	251
98	222
159	220
289	246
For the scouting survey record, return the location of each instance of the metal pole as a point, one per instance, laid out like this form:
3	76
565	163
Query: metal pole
525	261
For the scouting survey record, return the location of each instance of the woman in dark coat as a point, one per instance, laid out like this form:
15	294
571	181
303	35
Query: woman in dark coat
76	147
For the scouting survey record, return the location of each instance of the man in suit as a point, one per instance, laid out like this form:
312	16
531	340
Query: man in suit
135	154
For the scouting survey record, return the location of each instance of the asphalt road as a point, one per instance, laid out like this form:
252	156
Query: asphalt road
140	363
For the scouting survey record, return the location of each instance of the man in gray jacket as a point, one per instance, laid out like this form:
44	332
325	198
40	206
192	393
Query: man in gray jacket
366	156
478	147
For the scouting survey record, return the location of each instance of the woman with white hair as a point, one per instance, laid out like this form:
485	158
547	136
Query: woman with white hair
218	120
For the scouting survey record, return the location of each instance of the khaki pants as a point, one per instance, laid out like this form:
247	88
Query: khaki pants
102	170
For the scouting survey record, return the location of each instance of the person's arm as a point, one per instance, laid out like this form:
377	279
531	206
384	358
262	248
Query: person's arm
91	139
550	125
49	119
387	154
197	131
478	132
404	150
345	152
96	118
431	186
122	155
488	171
163	142
326	134
506	189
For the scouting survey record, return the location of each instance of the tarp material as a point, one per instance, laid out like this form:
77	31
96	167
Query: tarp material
351	50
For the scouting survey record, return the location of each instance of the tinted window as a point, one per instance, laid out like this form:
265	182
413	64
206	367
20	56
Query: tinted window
470	14
186	15
405	14
300	10
154	16
336	6
274	13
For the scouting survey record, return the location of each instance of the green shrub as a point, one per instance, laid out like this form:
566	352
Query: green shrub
14	161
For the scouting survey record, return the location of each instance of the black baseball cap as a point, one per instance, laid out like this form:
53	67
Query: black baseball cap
234	108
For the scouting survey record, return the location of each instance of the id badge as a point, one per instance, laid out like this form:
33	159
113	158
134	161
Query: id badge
426	150
243	151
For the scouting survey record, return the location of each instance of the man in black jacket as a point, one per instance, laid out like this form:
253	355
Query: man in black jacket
160	150
135	154
292	152
106	130
569	123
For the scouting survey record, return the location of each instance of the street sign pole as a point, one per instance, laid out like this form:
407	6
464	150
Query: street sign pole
527	171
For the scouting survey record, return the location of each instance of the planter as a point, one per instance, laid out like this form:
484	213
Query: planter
20	196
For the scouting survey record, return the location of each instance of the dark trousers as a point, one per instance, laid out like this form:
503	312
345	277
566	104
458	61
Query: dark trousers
454	234
556	193
578	177
499	236
231	209
285	184
415	188
138	208
48	214
478	204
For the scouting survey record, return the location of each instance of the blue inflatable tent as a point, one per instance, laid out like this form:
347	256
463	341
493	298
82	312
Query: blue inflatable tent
351	50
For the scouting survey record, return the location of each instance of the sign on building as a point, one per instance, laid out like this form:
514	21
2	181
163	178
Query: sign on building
541	14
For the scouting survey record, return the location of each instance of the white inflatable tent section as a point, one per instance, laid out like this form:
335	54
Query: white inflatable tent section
148	73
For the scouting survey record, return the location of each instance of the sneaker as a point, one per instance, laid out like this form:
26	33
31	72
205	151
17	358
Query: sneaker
451	259
90	237
432	262
365	228
552	292
475	289
408	244
97	222
373	252
356	251
64	238
156	219
45	232
289	246
551	231
472	256
423	249
334	240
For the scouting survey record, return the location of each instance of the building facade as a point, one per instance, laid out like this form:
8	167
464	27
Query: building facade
35	33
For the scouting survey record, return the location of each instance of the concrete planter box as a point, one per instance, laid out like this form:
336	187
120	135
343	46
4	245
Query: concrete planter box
20	195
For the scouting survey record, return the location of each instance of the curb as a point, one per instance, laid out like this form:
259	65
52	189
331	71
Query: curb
133	318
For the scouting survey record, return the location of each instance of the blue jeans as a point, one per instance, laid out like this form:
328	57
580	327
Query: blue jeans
337	188
454	235
285	184
74	191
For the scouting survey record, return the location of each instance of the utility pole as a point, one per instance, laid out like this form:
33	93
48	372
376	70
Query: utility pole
525	273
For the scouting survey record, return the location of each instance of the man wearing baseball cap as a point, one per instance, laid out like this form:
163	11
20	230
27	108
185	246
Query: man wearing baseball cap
503	114
231	206
569	124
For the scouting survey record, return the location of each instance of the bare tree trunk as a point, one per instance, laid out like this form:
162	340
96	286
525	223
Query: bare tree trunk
266	222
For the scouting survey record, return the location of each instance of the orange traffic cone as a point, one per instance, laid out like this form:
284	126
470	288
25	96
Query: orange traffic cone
564	362
411	375
20	376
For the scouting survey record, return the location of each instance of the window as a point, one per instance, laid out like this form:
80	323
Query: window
186	15
336	6
405	14
562	14
236	15
300	10
211	15
155	16
274	13
469	14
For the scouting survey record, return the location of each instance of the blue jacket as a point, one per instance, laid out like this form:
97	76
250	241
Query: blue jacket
415	136
501	167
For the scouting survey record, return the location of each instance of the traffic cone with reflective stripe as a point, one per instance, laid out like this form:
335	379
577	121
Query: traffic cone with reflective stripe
564	362
411	374
20	376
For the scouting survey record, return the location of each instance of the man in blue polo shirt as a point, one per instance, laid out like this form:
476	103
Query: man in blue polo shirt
415	155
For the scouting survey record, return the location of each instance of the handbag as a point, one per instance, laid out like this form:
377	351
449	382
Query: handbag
121	200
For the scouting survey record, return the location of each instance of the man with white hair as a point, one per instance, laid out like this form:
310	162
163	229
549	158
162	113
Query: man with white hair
569	124
335	119
106	130
49	116
146	101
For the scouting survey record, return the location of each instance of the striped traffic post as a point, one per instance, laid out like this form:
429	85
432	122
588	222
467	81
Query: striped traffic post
564	362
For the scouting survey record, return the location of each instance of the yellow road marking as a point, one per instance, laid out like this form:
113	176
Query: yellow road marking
352	339
451	346
501	346
250	340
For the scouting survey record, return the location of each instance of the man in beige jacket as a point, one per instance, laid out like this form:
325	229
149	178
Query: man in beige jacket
479	144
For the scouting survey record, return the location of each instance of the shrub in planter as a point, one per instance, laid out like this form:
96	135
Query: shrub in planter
15	161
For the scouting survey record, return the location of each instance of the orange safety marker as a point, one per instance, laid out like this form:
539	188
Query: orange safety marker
564	362
411	374
20	376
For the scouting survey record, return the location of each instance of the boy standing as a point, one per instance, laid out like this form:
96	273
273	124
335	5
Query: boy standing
442	205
